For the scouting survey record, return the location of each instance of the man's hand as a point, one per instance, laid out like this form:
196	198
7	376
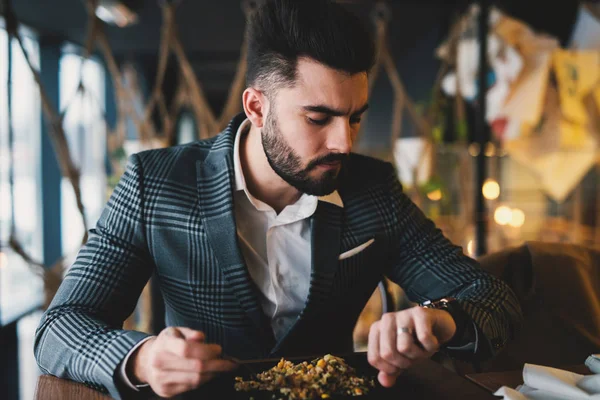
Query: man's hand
177	361
399	339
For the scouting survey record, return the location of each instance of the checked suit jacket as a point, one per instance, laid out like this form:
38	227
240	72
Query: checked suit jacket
172	214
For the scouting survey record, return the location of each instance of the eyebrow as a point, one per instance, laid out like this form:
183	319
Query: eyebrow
332	111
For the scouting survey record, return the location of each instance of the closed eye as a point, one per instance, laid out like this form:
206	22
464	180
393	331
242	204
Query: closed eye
319	122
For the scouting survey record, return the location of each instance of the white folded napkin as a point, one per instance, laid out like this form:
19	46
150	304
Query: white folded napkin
593	363
545	383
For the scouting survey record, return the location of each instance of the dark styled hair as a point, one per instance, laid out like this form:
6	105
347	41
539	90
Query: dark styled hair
281	31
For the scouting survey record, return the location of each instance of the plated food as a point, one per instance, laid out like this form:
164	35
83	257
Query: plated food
321	378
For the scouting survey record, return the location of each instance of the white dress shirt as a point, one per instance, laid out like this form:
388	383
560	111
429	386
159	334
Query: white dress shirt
276	248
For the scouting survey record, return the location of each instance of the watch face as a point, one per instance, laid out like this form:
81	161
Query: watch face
441	303
427	304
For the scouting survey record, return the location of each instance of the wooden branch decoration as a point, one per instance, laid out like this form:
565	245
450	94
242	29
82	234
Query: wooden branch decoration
204	116
156	97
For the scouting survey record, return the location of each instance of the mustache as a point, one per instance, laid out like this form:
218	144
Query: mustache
327	159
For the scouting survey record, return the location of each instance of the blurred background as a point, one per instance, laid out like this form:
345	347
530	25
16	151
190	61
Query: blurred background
495	139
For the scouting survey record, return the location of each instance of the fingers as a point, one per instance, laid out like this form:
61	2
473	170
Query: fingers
425	335
189	343
386	380
374	356
194	350
181	361
190	334
418	339
388	339
171	362
398	340
407	345
173	383
173	332
398	345
185	333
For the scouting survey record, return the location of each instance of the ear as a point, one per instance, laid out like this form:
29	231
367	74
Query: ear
255	106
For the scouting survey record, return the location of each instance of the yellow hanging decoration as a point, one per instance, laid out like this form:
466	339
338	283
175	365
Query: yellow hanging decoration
572	135
597	96
577	73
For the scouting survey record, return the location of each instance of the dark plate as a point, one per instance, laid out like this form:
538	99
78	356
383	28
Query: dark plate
425	380
223	387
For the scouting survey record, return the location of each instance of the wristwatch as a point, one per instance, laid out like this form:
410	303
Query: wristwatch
441	304
460	317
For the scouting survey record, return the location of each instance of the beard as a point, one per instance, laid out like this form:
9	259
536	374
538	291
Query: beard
287	164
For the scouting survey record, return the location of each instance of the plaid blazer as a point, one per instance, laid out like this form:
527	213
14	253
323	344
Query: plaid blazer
172	214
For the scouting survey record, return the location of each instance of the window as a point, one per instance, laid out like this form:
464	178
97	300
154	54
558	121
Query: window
85	129
20	289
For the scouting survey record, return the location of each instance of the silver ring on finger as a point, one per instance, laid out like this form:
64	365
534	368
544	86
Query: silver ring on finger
403	330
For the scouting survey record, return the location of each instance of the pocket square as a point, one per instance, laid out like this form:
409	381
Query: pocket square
355	250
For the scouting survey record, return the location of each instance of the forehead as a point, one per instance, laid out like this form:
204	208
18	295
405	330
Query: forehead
319	84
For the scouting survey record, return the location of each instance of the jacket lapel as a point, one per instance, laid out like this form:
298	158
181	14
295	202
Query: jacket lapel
326	238
215	186
325	242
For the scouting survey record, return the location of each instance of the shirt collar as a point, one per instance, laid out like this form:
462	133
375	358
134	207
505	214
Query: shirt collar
240	183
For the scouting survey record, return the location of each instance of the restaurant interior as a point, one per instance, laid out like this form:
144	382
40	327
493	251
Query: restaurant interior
497	141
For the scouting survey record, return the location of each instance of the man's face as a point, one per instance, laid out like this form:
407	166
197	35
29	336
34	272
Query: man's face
310	128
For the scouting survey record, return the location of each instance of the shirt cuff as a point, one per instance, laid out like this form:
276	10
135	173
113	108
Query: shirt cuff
123	367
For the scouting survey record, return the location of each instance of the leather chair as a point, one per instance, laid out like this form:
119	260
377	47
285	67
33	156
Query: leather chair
558	286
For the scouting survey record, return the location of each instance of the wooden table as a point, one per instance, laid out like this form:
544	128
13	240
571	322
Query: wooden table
51	387
426	380
493	381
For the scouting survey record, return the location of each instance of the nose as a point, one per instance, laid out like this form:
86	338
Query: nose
341	137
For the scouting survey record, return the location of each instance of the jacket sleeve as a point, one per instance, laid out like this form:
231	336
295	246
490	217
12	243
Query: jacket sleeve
80	336
428	267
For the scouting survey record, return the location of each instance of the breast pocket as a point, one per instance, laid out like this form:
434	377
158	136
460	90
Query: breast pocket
359	268
356	250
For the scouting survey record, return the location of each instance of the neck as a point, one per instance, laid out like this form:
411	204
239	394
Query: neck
261	181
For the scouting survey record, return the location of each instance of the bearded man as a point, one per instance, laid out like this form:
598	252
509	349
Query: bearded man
268	239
